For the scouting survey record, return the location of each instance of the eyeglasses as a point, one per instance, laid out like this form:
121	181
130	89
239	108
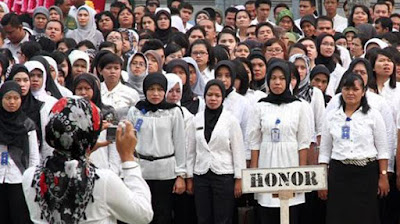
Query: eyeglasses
199	53
114	38
276	50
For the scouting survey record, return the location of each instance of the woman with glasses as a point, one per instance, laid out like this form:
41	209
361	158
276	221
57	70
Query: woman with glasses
329	56
275	48
201	51
116	38
137	70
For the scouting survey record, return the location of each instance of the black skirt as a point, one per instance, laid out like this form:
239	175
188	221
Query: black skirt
352	193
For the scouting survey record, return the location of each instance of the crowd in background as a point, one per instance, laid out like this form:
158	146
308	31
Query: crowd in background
209	93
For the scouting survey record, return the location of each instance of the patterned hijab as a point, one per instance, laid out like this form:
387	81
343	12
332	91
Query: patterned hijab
305	89
64	182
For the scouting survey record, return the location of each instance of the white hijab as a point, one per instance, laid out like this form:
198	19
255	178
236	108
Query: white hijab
64	91
173	79
41	93
79	55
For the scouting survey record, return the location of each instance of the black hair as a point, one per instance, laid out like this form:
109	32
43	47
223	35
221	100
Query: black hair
195	27
107	44
371	83
186	5
380	2
108	14
56	21
293	72
211	59
297	45
349	81
4	62
11	19
152	44
109	58
118	4
323	18
280	5
384	52
312	2
228	31
385	22
364	8
170	2
231	10
211	12
180	39
395	15
130	11
146	34
362	38
30	49
259	2
47	44
86	43
390	37
249	2
6	52
221	52
95	63
241	74
172	48
258	27
70	42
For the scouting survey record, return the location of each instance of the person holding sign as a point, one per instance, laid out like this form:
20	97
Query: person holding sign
354	144
215	158
279	135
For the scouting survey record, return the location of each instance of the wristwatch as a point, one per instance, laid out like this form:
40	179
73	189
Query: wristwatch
383	172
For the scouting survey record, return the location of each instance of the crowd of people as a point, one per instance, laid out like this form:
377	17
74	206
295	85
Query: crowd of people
148	114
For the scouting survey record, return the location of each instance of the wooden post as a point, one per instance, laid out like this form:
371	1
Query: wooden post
284	197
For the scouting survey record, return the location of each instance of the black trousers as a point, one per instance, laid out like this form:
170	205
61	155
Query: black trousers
214	198
352	193
162	200
184	209
13	208
268	215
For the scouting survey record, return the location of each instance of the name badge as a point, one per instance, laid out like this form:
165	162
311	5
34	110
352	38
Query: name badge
345	132
275	135
4	158
138	124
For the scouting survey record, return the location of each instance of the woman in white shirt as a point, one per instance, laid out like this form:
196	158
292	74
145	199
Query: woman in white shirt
201	51
215	158
113	92
328	55
67	188
279	136
354	145
161	145
19	150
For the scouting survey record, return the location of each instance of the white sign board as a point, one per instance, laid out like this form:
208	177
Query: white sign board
275	180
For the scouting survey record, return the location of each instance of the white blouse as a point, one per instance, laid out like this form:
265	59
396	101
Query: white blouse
10	174
223	154
367	136
294	128
253	96
128	200
380	104
318	106
161	134
120	97
207	74
106	157
334	80
46	150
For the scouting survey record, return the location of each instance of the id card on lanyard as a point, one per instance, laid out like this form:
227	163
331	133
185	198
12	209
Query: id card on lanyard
275	132
346	129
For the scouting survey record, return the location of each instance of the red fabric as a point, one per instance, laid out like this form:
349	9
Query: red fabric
99	5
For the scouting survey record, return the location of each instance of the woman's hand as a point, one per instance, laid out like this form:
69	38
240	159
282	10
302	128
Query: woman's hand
105	125
126	142
179	186
383	185
98	145
189	186
238	188
323	194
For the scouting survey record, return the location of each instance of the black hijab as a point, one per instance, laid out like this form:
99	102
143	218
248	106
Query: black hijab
145	105
329	62
260	84
94	83
13	130
231	67
211	116
29	105
50	84
160	34
286	96
189	99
